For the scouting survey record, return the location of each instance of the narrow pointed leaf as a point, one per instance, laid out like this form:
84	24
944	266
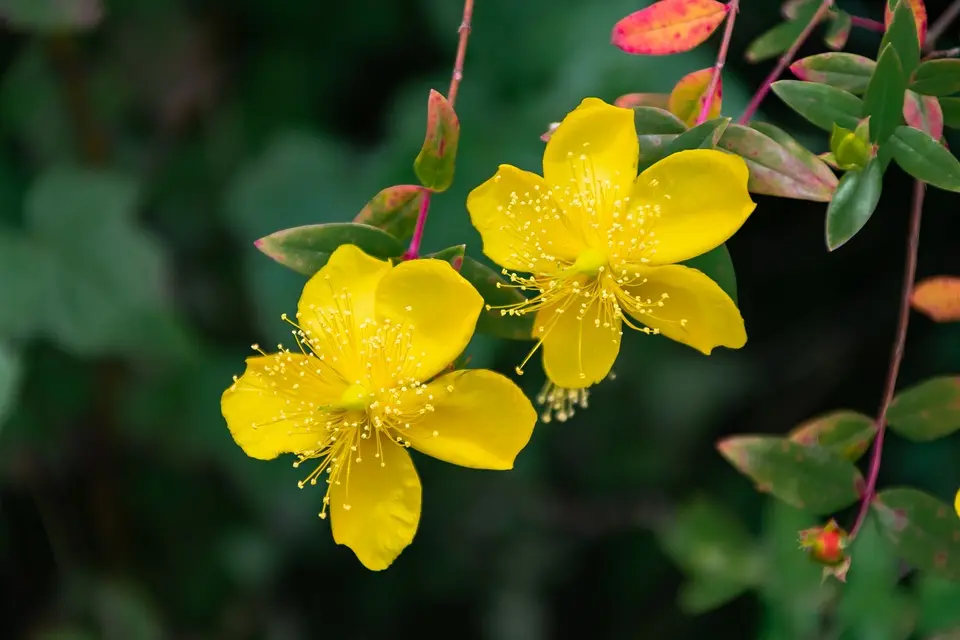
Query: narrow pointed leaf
689	95
820	168
846	71
951	112
775	41
454	255
497	294
306	249
937	77
847	433
773	169
394	210
631	100
821	104
919	19
927	411
668	26
925	159
924	113
792	8
906	29
705	135
838	31
653	147
938	298
924	531
811	478
651	120
434	164
853	203
883	101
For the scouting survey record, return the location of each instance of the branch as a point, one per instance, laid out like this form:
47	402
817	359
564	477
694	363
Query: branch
785	61
896	357
732	9
940	24
868	24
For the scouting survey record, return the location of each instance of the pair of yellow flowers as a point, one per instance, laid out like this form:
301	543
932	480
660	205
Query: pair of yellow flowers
371	374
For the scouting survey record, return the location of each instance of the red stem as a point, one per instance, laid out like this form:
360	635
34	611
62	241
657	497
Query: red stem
868	24
784	62
413	251
732	10
896	357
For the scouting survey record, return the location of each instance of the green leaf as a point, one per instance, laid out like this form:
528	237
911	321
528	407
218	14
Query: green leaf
775	41
434	165
11	371
883	101
846	433
821	104
654	121
51	15
26	270
937	605
820	168
497	293
925	532
853	203
951	112
306	249
653	147
937	77
810	478
774	170
394	210
925	159
902	34
454	255
705	135
927	411
702	594
838	31
846	71
717	265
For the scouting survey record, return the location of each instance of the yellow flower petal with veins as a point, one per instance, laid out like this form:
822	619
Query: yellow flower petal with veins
357	391
597	242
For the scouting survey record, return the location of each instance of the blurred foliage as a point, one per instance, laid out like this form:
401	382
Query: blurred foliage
140	157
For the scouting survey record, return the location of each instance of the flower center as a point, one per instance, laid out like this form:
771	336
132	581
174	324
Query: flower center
356	397
589	262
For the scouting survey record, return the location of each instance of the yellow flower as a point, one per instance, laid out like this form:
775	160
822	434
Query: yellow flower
364	384
601	243
956	504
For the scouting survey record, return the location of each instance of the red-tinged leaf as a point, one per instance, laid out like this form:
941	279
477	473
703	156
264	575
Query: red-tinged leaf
819	166
668	26
838	31
924	113
394	210
435	162
791	8
306	249
919	17
631	100
845	71
688	97
924	531
938	298
845	432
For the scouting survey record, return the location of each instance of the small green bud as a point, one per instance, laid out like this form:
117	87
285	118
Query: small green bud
851	149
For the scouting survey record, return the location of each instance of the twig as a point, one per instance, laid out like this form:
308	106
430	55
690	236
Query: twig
784	62
414	250
896	356
943	53
940	24
732	8
868	24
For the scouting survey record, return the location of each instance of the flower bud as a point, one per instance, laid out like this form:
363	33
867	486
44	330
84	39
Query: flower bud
851	149
825	544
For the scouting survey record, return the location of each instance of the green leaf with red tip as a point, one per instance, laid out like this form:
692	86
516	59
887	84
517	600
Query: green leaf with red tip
846	433
927	411
918	13
814	479
668	26
938	298
937	77
801	153
792	8
951	112
883	101
924	531
434	165
820	104
838	31
774	170
654	121
705	135
394	210
717	265
454	255
631	100
846	71
924	113
775	41
902	32
306	249
853	203
690	94
500	295
925	158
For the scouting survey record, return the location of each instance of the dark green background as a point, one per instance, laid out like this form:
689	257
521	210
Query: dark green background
126	510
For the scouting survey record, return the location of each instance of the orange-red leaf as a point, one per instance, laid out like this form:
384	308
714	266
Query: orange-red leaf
919	16
687	98
668	26
924	113
938	298
631	100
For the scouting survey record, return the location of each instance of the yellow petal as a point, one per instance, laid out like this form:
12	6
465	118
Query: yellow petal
580	344
591	159
481	419
956	504
522	227
438	306
692	202
695	312
375	503
348	282
273	409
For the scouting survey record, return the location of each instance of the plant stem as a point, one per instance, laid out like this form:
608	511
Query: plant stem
943	53
940	24
413	251
732	9
896	356
784	62
868	24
